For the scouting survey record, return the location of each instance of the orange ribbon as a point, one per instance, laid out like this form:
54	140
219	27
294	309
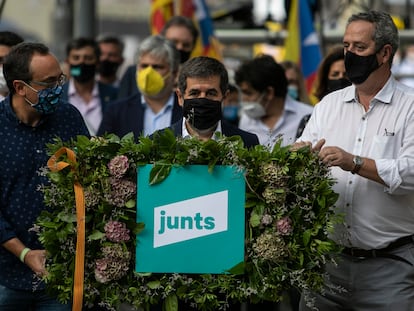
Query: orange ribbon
55	166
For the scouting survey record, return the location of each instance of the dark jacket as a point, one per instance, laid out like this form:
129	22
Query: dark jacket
249	139
128	84
127	115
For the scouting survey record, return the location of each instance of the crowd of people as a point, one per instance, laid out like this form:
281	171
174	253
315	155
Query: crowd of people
362	127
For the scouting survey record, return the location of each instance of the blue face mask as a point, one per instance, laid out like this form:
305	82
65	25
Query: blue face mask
48	99
293	91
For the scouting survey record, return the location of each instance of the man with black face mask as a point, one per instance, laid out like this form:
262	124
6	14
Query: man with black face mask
182	32
111	58
365	133
83	91
202	86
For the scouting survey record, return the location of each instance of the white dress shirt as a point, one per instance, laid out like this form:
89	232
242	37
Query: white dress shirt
285	128
375	215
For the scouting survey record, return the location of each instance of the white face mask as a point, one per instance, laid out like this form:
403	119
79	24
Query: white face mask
3	84
254	109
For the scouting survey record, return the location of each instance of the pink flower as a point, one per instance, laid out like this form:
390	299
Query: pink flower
284	226
118	166
116	231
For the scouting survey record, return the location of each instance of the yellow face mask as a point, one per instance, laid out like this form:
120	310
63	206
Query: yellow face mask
149	81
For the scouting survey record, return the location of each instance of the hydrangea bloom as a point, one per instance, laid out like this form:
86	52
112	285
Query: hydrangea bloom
116	231
118	166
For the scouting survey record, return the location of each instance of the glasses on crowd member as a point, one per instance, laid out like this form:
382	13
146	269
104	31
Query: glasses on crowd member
59	82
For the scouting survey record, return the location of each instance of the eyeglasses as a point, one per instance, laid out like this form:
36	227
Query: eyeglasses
59	82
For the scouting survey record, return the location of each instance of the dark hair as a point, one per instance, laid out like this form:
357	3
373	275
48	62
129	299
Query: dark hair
112	39
321	83
203	67
262	72
9	38
385	30
184	22
82	42
17	63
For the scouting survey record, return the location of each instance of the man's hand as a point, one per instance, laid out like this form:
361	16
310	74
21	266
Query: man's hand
335	156
36	260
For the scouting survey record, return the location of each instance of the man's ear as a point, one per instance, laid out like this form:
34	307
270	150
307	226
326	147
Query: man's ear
179	96
19	87
270	93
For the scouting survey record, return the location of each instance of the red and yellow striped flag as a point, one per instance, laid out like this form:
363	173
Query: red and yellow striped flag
161	12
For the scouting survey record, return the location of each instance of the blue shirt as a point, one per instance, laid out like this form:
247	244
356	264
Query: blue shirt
22	154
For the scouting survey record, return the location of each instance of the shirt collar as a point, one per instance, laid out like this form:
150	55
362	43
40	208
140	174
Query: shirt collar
72	90
383	96
169	104
185	133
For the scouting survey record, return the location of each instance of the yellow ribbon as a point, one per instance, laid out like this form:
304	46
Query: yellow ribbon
55	166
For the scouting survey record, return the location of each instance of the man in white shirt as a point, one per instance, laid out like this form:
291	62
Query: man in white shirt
365	132
267	110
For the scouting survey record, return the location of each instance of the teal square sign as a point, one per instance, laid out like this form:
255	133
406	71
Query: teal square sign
194	220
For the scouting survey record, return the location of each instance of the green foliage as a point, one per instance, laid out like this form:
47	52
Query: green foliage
289	212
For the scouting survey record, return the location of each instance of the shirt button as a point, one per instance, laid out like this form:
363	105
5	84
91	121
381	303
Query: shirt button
359	139
363	118
350	182
348	205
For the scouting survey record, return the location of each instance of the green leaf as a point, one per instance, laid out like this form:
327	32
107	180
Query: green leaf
153	284
237	269
96	235
130	204
171	303
158	173
255	219
306	237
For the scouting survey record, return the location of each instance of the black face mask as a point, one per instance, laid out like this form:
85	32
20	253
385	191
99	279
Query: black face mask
83	72
358	68
108	68
184	56
202	113
337	84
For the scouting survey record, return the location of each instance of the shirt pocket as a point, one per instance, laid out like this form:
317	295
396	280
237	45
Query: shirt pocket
383	147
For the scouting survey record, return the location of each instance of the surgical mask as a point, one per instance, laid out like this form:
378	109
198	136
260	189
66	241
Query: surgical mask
3	83
254	109
149	81
337	84
108	68
293	91
230	113
184	55
83	72
202	113
358	68
48	99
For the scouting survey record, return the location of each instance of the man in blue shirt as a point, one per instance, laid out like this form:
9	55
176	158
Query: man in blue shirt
30	117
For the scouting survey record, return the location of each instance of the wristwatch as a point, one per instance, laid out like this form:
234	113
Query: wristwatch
358	161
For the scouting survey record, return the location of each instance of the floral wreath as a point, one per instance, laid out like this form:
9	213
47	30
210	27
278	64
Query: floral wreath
288	207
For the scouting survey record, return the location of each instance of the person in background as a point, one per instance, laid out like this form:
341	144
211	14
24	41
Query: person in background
331	75
8	39
296	82
365	133
31	116
111	58
155	106
83	91
267	110
231	105
182	32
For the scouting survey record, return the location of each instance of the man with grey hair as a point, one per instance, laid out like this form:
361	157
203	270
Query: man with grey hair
365	133
156	106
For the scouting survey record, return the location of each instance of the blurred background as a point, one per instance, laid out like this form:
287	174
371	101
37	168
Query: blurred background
240	25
